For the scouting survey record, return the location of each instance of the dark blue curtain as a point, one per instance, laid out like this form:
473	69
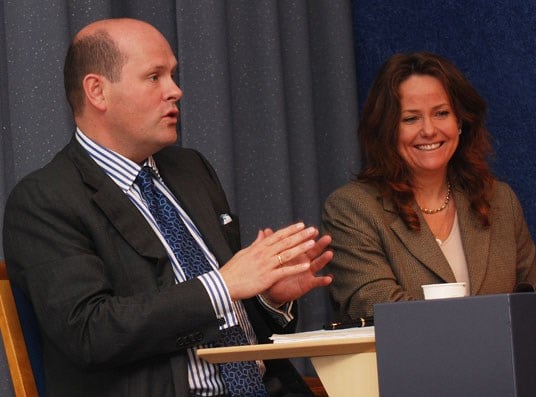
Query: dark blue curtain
493	42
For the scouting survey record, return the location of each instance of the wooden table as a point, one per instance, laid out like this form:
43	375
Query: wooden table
346	366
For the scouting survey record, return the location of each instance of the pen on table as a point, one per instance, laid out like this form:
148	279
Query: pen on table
357	322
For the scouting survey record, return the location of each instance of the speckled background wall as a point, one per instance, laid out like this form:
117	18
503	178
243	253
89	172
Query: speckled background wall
493	42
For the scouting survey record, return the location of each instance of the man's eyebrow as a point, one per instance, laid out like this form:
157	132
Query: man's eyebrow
160	66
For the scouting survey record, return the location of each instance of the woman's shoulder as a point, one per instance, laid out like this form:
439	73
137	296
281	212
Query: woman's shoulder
503	197
355	194
502	191
355	188
502	186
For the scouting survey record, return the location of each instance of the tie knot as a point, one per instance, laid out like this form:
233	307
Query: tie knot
144	179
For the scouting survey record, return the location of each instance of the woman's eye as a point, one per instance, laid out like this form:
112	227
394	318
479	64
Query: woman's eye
409	119
442	113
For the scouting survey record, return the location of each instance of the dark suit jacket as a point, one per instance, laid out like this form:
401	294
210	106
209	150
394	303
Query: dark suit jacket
378	259
113	321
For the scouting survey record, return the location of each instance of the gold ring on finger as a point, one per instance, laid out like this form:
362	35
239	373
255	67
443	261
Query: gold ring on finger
280	260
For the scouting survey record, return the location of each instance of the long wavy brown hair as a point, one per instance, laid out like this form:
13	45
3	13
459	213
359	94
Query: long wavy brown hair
468	169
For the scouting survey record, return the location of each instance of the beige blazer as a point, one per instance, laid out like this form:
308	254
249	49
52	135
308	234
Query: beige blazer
378	259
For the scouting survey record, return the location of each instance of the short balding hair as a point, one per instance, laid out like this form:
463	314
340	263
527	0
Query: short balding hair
95	53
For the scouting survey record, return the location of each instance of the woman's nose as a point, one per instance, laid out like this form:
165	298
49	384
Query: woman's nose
428	127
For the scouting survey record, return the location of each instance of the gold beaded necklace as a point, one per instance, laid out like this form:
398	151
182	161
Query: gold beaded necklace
443	206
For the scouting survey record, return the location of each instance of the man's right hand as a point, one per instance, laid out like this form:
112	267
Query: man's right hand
256	268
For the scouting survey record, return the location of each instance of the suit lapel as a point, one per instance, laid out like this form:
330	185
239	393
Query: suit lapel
475	239
117	207
193	198
422	246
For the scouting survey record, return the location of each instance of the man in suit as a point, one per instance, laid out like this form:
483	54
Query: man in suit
120	311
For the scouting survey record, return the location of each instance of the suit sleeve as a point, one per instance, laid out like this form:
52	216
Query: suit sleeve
526	250
278	321
97	300
362	273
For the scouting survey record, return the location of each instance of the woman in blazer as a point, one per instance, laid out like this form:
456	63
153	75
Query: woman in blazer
425	208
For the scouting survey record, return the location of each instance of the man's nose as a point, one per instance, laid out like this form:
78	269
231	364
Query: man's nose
175	92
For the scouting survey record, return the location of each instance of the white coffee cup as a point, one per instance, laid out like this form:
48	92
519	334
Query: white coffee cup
444	290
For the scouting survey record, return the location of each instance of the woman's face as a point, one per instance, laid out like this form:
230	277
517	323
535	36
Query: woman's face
428	128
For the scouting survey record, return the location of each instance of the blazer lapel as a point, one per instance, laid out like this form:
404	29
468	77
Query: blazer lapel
422	246
475	239
117	207
194	199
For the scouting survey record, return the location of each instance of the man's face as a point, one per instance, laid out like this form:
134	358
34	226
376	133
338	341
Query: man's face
142	108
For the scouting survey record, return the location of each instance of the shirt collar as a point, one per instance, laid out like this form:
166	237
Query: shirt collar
122	170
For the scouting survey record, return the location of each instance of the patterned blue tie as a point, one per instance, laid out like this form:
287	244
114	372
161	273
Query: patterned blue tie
242	378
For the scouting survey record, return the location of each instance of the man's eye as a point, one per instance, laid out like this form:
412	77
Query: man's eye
153	77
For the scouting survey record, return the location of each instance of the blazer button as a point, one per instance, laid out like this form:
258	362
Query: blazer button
198	337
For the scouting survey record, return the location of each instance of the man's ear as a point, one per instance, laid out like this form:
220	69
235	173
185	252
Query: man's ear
93	85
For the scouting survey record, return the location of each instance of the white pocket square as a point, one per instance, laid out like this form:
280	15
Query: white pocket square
225	219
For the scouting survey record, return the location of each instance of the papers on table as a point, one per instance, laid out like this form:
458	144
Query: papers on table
322	334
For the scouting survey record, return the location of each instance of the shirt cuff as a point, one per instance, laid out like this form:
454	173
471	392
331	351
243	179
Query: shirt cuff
282	315
220	298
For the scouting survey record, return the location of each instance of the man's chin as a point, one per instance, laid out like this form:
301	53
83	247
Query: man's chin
171	136
169	140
